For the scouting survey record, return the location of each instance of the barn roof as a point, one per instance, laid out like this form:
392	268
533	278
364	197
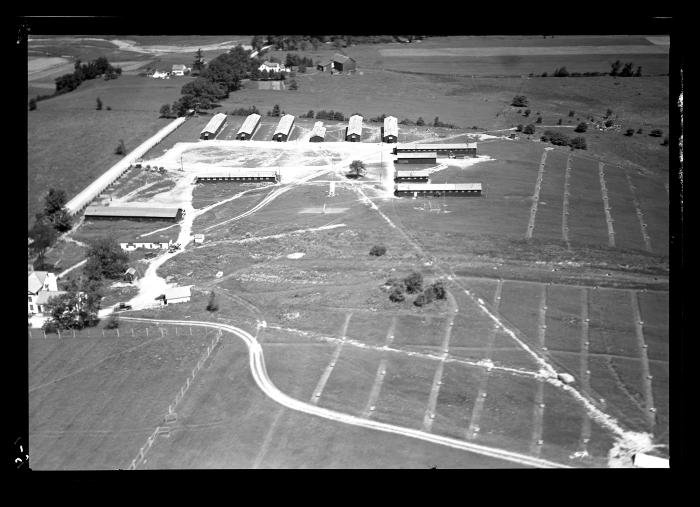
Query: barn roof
421	154
285	125
436	146
249	124
319	130
355	125
214	123
391	126
36	280
417	187
236	172
325	63
341	58
131	211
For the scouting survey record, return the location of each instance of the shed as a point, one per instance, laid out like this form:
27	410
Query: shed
130	275
324	66
248	128
199	238
213	127
437	189
425	157
284	128
354	129
390	130
133	213
177	295
343	63
318	134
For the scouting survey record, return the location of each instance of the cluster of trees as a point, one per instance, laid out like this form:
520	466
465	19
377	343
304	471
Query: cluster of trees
242	111
302	42
85	71
276	111
377	250
559	139
413	284
527	129
329	115
520	101
420	122
294	60
267	75
78	308
626	69
52	220
616	69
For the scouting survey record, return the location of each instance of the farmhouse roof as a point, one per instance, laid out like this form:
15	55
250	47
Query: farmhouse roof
355	125
416	187
391	126
214	123
44	296
249	124
178	292
341	58
179	66
285	124
35	281
131	211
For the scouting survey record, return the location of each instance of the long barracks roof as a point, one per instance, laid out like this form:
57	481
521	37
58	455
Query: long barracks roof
436	146
214	123
341	58
418	187
412	174
391	127
131	211
236	173
249	124
355	125
422	154
319	130
285	125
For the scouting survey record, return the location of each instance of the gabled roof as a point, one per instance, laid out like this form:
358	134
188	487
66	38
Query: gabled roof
285	124
36	280
131	211
179	66
130	271
325	63
414	187
45	295
355	125
391	126
249	124
271	64
436	146
214	123
419	154
341	58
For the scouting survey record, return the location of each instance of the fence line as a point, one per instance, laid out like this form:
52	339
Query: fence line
38	333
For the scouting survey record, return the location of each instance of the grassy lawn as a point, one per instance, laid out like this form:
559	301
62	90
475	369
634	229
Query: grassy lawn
124	231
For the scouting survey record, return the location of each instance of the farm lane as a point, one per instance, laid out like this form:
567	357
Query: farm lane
259	373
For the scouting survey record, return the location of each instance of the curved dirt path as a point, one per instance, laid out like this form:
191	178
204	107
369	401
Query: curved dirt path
259	373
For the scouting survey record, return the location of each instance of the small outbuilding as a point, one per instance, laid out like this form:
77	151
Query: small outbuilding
343	63
248	128
284	128
390	130
176	295
214	126
318	134
130	275
353	131
324	66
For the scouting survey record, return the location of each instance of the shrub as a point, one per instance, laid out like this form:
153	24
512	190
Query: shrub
519	128
538	120
529	129
608	123
581	127
32	104
406	121
559	122
656	133
526	113
396	295
420	122
49	327
413	282
121	149
629	132
213	304
665	141
439	290
377	250
424	298
109	108
639	131
556	138
578	143
520	101
608	113
112	322
561	72
544	74
572	113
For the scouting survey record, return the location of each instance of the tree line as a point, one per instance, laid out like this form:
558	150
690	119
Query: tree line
303	42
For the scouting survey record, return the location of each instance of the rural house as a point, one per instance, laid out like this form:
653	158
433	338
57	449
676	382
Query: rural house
272	67
342	63
248	128
318	134
324	66
41	285
284	128
353	131
161	74
390	130
179	70
214	126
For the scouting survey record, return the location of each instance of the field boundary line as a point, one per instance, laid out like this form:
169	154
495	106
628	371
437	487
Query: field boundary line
646	373
585	372
318	391
533	282
429	416
475	418
639	212
259	373
606	205
565	205
538	416
268	439
536	196
381	372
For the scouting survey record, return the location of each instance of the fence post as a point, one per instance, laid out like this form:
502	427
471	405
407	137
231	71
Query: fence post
146	332
190	330
103	333
44	331
59	333
161	332
117	332
176	331
74	333
132	331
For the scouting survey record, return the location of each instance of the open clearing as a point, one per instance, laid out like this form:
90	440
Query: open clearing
289	264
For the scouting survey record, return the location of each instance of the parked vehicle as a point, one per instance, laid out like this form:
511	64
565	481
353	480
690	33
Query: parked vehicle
122	306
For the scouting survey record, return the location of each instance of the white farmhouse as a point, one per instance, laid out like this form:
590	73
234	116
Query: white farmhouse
272	67
41	285
180	70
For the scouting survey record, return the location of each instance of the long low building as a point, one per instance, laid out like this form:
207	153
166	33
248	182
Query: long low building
390	130
213	127
456	150
437	189
284	128
318	134
248	128
407	176
130	247
423	157
354	130
132	213
237	175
